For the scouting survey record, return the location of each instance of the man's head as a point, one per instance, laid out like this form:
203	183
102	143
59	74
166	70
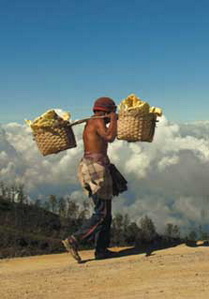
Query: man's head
104	104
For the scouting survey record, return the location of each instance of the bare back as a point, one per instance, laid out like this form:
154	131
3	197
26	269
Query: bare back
97	134
93	142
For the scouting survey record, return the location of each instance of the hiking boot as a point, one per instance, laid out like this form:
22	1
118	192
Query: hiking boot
106	254
72	247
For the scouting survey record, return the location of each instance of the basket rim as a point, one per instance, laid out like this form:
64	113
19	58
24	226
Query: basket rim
37	130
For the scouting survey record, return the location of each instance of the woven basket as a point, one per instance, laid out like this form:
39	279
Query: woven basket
135	126
54	139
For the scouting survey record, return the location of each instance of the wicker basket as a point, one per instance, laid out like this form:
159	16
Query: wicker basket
135	126
52	140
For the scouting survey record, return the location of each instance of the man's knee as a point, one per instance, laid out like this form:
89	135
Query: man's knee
108	220
103	217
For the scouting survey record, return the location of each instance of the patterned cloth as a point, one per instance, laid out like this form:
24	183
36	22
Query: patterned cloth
98	176
95	178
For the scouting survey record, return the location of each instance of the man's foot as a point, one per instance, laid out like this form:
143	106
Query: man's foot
106	254
72	247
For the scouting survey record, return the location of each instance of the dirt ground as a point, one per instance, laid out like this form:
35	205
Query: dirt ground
177	272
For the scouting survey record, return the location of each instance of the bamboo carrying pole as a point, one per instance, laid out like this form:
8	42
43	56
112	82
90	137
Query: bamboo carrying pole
51	140
85	119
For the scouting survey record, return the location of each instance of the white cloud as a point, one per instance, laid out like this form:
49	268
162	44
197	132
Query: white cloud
168	178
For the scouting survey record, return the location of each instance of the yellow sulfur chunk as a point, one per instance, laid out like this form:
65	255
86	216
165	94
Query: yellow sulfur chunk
48	119
66	116
28	122
132	102
156	110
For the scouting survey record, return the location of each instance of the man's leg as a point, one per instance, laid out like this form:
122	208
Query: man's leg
98	227
102	235
93	225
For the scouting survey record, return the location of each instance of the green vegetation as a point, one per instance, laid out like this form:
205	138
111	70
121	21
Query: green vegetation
38	228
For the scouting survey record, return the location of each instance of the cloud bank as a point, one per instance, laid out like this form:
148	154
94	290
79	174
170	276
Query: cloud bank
168	178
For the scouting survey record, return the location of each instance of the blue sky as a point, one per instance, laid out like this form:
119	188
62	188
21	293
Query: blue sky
65	54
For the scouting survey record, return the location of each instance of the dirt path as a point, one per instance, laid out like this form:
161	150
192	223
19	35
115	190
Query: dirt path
178	272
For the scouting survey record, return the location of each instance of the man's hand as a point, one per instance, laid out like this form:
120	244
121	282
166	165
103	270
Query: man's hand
113	116
108	132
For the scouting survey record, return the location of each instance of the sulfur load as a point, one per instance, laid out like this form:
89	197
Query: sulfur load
136	120
52	132
48	119
132	102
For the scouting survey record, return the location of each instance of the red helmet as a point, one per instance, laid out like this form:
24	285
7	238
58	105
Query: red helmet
104	104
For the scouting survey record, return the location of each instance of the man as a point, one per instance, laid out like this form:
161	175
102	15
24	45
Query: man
100	179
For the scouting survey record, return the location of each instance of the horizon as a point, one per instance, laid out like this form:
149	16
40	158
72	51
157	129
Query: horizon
167	179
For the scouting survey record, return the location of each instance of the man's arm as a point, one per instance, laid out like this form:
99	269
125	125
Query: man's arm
108	133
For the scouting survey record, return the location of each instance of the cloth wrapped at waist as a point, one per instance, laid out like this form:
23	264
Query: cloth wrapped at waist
97	158
98	175
119	183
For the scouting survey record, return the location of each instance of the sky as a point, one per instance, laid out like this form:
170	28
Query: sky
65	54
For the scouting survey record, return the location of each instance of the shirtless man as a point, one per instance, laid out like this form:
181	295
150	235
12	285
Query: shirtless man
99	178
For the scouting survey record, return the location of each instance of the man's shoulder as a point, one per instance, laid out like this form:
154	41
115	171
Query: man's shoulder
95	121
91	126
